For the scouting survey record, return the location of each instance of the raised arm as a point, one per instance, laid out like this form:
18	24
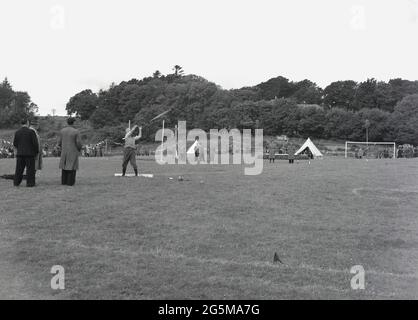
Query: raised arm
130	132
139	135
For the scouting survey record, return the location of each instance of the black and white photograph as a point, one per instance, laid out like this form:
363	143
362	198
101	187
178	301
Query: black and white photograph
208	151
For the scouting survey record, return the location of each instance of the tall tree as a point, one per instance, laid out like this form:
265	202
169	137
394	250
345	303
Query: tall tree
14	105
83	104
6	94
400	88
405	120
340	94
178	71
311	121
377	122
307	92
366	95
338	123
156	74
279	87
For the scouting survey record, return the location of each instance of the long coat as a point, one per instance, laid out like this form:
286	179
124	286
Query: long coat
70	143
26	143
38	157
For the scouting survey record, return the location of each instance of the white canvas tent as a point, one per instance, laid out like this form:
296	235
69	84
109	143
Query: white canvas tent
201	150
310	145
191	149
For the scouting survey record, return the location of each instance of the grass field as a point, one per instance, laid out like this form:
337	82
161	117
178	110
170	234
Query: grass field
213	236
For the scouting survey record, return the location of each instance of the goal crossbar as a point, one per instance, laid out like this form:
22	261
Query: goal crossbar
370	143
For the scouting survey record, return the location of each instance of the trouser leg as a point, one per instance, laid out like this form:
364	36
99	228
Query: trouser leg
64	177
71	177
30	171
20	167
126	155
132	160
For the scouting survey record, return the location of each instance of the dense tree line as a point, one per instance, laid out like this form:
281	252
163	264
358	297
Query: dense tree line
279	106
14	105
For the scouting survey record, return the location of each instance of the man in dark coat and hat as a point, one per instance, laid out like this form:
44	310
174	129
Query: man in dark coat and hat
26	144
70	143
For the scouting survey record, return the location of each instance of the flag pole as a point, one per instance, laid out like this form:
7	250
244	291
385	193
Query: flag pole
162	141
176	140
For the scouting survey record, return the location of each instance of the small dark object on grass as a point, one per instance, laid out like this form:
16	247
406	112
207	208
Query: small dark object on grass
10	176
276	258
182	178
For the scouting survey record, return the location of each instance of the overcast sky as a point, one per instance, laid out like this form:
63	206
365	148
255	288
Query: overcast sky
54	49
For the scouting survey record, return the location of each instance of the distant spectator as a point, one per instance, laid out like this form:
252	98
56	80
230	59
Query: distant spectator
291	155
272	154
400	152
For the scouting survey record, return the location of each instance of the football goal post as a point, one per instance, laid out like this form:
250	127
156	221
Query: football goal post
377	150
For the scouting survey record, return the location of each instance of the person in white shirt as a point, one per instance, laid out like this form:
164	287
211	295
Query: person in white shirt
130	149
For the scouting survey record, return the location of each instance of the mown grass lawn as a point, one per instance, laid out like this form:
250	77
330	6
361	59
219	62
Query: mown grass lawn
214	235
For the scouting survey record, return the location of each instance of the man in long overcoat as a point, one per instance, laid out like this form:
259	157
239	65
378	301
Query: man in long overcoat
70	143
26	144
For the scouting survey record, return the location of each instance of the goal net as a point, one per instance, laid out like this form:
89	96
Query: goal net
370	150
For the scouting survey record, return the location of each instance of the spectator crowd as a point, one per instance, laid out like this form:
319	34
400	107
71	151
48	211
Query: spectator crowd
94	150
6	149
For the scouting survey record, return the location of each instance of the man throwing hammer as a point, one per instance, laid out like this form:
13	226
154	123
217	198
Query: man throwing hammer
130	149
